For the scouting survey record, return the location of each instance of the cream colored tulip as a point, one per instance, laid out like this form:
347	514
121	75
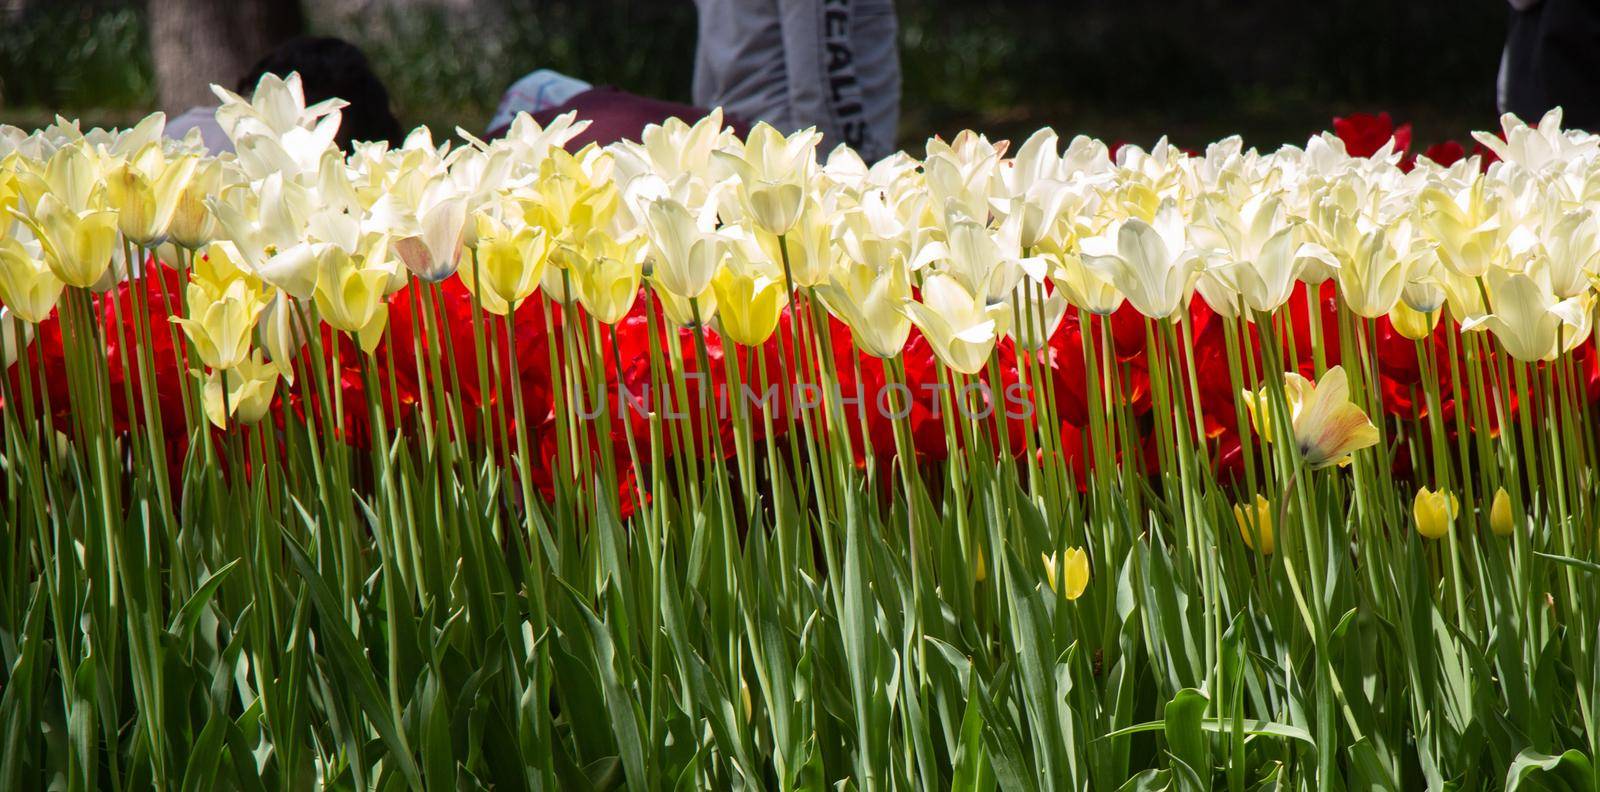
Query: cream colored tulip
27	285
250	388
870	302
145	191
773	171
1327	427
961	329
1152	264
686	256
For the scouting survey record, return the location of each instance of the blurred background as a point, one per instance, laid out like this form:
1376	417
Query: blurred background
1123	70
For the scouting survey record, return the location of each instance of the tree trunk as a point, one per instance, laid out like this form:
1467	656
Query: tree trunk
195	43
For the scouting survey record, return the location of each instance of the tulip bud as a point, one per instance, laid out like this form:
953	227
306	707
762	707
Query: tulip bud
1255	525
1433	511
1076	572
1501	519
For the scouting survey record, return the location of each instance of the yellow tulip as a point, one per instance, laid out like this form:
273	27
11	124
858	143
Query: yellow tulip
1411	323
77	245
1501	519
751	304
1433	512
1072	571
608	282
27	286
250	387
870	301
1255	525
1327	426
959	327
509	266
220	323
145	191
351	290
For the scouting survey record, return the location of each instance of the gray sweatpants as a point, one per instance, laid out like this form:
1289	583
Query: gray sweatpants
832	64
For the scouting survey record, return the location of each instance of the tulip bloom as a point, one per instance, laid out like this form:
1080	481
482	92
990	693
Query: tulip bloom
959	327
1152	264
250	387
870	302
509	266
221	321
751	304
1327	426
27	286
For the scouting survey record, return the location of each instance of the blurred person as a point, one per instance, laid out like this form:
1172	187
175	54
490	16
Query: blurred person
613	114
329	67
831	64
1552	57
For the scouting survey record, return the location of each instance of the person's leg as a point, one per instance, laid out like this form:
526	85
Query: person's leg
1520	89
875	32
1568	62
739	60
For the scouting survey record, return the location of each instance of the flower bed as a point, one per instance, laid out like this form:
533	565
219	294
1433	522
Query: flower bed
712	462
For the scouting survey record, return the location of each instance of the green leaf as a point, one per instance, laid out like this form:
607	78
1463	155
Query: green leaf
1570	770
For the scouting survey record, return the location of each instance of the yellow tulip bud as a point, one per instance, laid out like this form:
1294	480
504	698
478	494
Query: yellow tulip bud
1073	571
1433	512
1501	519
1255	525
1411	323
